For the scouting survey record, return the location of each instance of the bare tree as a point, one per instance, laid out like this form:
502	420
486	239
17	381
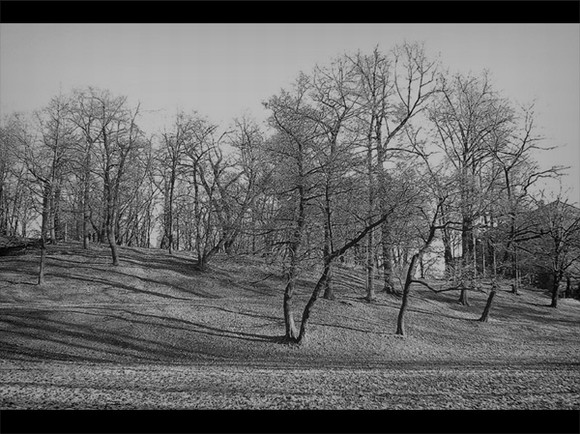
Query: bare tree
170	157
83	113
292	148
334	98
395	90
16	198
247	141
302	336
512	150
412	269
467	114
110	135
555	241
44	154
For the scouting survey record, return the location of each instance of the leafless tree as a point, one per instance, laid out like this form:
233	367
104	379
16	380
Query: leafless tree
467	115
555	241
395	88
512	149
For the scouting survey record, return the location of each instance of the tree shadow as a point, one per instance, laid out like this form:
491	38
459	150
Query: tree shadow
172	263
437	314
251	314
13	282
195	292
115	284
189	270
185	325
535	312
142	337
345	327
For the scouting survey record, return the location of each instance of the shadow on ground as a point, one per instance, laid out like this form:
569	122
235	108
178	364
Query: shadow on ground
114	335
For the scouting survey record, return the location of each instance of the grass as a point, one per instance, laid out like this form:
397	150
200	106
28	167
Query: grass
155	333
156	308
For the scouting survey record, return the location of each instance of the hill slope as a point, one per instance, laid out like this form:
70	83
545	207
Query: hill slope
157	309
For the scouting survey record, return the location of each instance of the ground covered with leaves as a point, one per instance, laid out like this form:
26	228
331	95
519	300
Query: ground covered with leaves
155	332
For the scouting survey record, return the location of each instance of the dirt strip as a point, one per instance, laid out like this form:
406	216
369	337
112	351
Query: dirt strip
83	386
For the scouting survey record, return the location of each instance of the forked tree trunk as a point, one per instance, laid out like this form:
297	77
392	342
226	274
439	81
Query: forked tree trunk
411	274
291	331
326	272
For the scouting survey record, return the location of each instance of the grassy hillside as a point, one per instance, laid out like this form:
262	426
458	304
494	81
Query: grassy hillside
156	308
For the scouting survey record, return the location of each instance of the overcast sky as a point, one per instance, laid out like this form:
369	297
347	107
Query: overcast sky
222	70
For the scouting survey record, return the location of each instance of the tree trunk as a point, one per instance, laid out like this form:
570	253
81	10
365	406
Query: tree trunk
291	331
110	220
388	285
3	225
463	299
328	293
410	274
370	270
515	265
51	220
328	290
112	244
370	202
485	314
170	216
302	338
555	290
43	230
42	260
86	216
467	253
448	258
58	224
201	262
294	247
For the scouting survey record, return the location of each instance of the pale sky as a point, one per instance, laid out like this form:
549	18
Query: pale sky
223	70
